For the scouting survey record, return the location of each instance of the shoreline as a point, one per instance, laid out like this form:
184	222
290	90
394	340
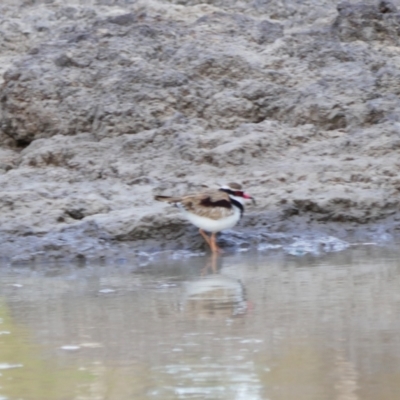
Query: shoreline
286	236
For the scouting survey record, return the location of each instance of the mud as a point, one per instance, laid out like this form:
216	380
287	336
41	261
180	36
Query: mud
103	104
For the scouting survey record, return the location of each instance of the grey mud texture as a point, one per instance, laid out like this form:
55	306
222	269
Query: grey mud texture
105	103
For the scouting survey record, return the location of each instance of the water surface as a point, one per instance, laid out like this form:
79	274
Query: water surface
249	327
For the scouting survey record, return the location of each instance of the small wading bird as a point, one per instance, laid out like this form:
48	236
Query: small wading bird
212	210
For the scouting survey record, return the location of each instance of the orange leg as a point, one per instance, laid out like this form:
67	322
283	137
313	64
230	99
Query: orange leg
206	238
213	244
211	241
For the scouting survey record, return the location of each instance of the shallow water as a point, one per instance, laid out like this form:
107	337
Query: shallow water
251	326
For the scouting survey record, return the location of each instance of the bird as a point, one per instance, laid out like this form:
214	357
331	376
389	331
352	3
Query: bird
212	210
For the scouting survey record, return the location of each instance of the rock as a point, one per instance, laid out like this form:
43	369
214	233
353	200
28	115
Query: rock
267	32
123	19
368	22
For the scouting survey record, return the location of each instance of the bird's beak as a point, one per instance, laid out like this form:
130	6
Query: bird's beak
248	197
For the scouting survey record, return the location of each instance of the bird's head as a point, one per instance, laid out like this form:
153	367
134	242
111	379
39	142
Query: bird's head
235	191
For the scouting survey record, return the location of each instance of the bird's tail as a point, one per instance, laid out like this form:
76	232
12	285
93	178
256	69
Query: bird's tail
168	199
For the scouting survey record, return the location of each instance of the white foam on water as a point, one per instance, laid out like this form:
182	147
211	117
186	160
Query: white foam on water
10	366
252	341
324	244
91	345
70	347
268	246
106	290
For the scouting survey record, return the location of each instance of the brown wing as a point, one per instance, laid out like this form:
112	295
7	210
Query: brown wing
213	204
168	199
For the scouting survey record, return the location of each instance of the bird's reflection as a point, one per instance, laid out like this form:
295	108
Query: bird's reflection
212	266
215	294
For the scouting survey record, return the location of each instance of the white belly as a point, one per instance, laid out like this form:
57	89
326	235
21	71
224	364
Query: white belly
212	225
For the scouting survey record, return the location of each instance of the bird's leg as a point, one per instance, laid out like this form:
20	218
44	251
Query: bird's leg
213	244
206	238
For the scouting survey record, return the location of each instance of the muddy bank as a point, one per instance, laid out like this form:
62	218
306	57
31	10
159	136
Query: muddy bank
104	104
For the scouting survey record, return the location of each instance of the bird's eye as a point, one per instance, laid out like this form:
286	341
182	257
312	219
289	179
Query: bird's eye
239	193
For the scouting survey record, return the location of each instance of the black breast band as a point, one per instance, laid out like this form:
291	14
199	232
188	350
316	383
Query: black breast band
239	205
